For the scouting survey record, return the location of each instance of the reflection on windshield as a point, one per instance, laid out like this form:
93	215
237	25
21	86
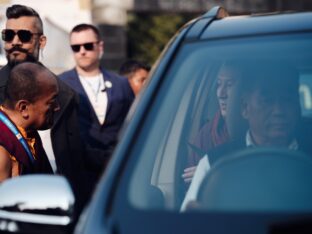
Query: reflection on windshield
223	100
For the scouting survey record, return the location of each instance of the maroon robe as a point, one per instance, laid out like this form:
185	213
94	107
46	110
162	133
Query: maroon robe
9	141
211	135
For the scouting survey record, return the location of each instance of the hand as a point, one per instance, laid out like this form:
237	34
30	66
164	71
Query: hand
188	174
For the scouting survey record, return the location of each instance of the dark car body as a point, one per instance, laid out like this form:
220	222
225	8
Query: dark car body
142	189
112	210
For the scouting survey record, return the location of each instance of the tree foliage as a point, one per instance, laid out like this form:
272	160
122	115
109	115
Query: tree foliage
149	33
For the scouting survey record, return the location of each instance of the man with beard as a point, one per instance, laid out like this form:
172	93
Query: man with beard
29	105
23	38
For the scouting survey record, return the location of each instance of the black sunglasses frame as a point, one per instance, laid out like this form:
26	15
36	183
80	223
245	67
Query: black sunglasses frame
23	35
87	46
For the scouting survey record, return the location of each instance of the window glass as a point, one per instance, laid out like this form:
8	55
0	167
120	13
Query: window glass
214	93
306	93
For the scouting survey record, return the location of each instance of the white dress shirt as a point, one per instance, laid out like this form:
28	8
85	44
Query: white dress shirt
94	87
203	168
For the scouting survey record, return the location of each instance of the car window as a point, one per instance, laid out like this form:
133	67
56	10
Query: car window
191	115
305	92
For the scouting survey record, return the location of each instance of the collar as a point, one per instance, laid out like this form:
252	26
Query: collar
250	143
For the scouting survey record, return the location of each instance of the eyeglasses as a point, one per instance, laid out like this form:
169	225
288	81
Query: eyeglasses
23	35
87	46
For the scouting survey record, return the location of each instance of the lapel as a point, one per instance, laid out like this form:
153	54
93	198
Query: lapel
108	79
74	81
76	84
84	99
15	147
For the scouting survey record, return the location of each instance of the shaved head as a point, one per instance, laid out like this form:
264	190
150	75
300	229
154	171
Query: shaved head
26	83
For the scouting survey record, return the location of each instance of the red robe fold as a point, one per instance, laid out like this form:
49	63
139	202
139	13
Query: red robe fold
9	141
211	135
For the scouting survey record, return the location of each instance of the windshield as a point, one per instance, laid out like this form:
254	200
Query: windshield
217	99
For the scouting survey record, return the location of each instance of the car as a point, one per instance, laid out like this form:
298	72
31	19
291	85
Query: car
187	103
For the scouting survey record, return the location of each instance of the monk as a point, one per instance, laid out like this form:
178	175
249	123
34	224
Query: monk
29	105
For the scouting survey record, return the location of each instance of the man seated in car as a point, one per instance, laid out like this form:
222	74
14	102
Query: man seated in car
269	102
214	133
29	105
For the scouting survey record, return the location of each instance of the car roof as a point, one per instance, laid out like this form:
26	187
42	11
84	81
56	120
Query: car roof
258	24
212	26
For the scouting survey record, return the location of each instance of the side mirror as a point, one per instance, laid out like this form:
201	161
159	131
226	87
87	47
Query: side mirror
36	204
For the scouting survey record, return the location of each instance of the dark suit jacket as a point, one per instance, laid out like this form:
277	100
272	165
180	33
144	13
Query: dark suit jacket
120	97
68	149
4	76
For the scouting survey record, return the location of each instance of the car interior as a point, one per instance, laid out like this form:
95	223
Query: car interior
188	100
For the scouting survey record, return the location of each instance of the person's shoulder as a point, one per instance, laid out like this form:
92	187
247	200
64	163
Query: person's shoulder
5	68
205	130
118	81
110	75
303	135
6	136
67	74
5	71
67	80
66	92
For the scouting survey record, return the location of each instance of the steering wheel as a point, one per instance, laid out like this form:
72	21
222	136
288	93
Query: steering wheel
259	179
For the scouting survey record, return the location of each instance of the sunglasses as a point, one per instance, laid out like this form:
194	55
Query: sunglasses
23	35
87	46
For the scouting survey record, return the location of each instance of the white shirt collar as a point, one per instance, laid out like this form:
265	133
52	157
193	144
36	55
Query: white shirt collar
249	142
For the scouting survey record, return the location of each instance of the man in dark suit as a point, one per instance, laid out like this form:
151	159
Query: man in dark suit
105	98
23	38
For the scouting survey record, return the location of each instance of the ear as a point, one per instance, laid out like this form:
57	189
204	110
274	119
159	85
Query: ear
22	106
42	41
244	108
101	48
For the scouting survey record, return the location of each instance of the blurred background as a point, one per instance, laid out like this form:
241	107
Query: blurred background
136	29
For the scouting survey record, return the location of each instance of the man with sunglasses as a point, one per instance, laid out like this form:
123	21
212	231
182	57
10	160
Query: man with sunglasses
105	98
23	39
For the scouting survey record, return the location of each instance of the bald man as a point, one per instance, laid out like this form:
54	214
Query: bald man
29	105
